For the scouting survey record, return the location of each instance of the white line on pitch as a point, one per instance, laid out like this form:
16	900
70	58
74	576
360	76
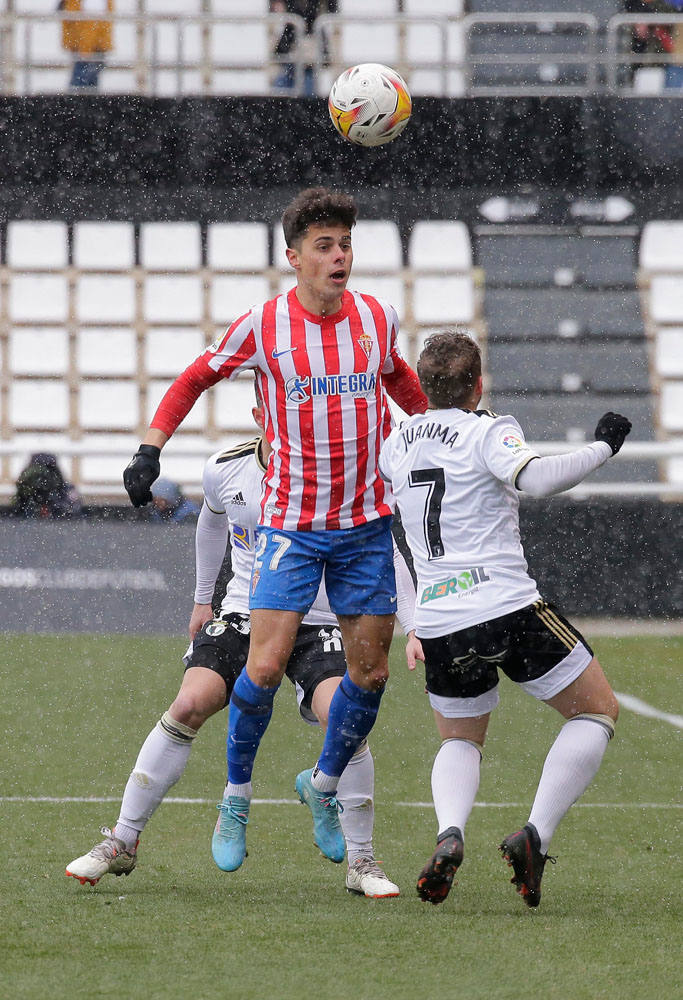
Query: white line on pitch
174	800
642	708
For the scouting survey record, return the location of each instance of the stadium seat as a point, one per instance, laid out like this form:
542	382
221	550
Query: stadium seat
237	246
440	246
386	7
376	247
240	44
196	418
443	300
239	7
100	297
561	366
440	8
519	313
233	405
236	83
37	298
666	299
106	351
180	8
37	245
105	404
571	417
558	258
280	252
104	246
170	246
38	351
661	246
40	404
173	299
169	352
671	407
365	40
669	352
234	295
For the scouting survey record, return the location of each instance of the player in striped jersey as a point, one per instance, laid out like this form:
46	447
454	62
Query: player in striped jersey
232	491
455	472
324	358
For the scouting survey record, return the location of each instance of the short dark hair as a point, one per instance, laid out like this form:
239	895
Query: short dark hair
448	368
317	206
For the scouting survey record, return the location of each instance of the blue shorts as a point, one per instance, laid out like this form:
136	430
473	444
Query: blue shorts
358	564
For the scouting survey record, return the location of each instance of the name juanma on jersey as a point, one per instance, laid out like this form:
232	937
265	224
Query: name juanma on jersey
432	430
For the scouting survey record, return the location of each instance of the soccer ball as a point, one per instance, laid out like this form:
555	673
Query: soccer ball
369	104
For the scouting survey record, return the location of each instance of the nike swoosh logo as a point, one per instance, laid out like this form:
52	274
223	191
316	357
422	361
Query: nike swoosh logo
278	354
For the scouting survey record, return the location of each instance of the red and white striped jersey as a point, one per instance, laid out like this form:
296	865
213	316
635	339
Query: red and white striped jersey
323	381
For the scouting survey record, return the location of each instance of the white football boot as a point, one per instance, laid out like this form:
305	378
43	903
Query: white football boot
109	857
366	878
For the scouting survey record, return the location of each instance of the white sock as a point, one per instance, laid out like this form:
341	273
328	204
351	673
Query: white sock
572	763
455	782
244	791
356	792
161	761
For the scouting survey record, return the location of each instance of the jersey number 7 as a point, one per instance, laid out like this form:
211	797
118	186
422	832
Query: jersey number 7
435	482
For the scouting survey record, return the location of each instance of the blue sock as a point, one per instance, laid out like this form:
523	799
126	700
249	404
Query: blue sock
352	715
251	707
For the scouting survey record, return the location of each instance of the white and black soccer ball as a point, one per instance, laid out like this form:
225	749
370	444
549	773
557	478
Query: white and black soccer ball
370	104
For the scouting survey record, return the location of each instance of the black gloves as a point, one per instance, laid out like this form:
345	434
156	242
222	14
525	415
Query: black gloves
140	473
612	428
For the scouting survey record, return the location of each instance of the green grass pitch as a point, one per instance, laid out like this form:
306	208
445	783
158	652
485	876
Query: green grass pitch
74	712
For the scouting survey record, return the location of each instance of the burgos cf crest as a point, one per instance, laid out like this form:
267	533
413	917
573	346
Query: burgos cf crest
365	341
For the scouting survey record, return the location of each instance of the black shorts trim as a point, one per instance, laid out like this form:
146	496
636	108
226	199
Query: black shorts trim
525	645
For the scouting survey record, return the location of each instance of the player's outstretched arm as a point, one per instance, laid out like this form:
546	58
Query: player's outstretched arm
543	477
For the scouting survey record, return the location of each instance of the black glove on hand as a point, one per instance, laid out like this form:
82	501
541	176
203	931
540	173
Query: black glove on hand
612	428
140	473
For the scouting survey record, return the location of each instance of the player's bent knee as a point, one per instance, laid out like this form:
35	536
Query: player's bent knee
192	710
606	721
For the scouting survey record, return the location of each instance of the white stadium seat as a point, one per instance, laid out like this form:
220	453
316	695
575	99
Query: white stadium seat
35	245
43	404
237	246
280	252
103	351
196	418
441	8
39	351
108	404
101	298
666	299
176	299
236	8
440	246
661	246
37	298
104	246
671	406
169	352
376	247
237	83
443	300
170	246
234	295
365	40
669	352
240	44
386	7
234	402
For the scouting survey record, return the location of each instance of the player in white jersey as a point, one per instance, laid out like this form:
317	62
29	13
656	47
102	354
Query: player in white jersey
456	472
325	359
232	490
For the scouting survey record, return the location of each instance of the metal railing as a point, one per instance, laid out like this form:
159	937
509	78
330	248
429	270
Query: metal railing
173	54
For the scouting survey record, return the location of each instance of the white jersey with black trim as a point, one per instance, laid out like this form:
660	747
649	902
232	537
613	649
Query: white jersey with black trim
233	483
453	475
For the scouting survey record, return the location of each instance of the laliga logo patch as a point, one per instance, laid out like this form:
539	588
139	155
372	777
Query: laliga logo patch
512	442
216	344
295	389
365	341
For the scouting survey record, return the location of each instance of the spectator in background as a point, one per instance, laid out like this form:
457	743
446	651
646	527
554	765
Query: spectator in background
42	491
650	39
309	10
170	504
88	40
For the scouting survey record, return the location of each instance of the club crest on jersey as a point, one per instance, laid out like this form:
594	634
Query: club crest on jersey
365	341
300	388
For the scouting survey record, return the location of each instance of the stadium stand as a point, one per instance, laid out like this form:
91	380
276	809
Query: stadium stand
661	263
565	335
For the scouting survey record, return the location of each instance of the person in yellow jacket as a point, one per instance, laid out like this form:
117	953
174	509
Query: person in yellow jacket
89	40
